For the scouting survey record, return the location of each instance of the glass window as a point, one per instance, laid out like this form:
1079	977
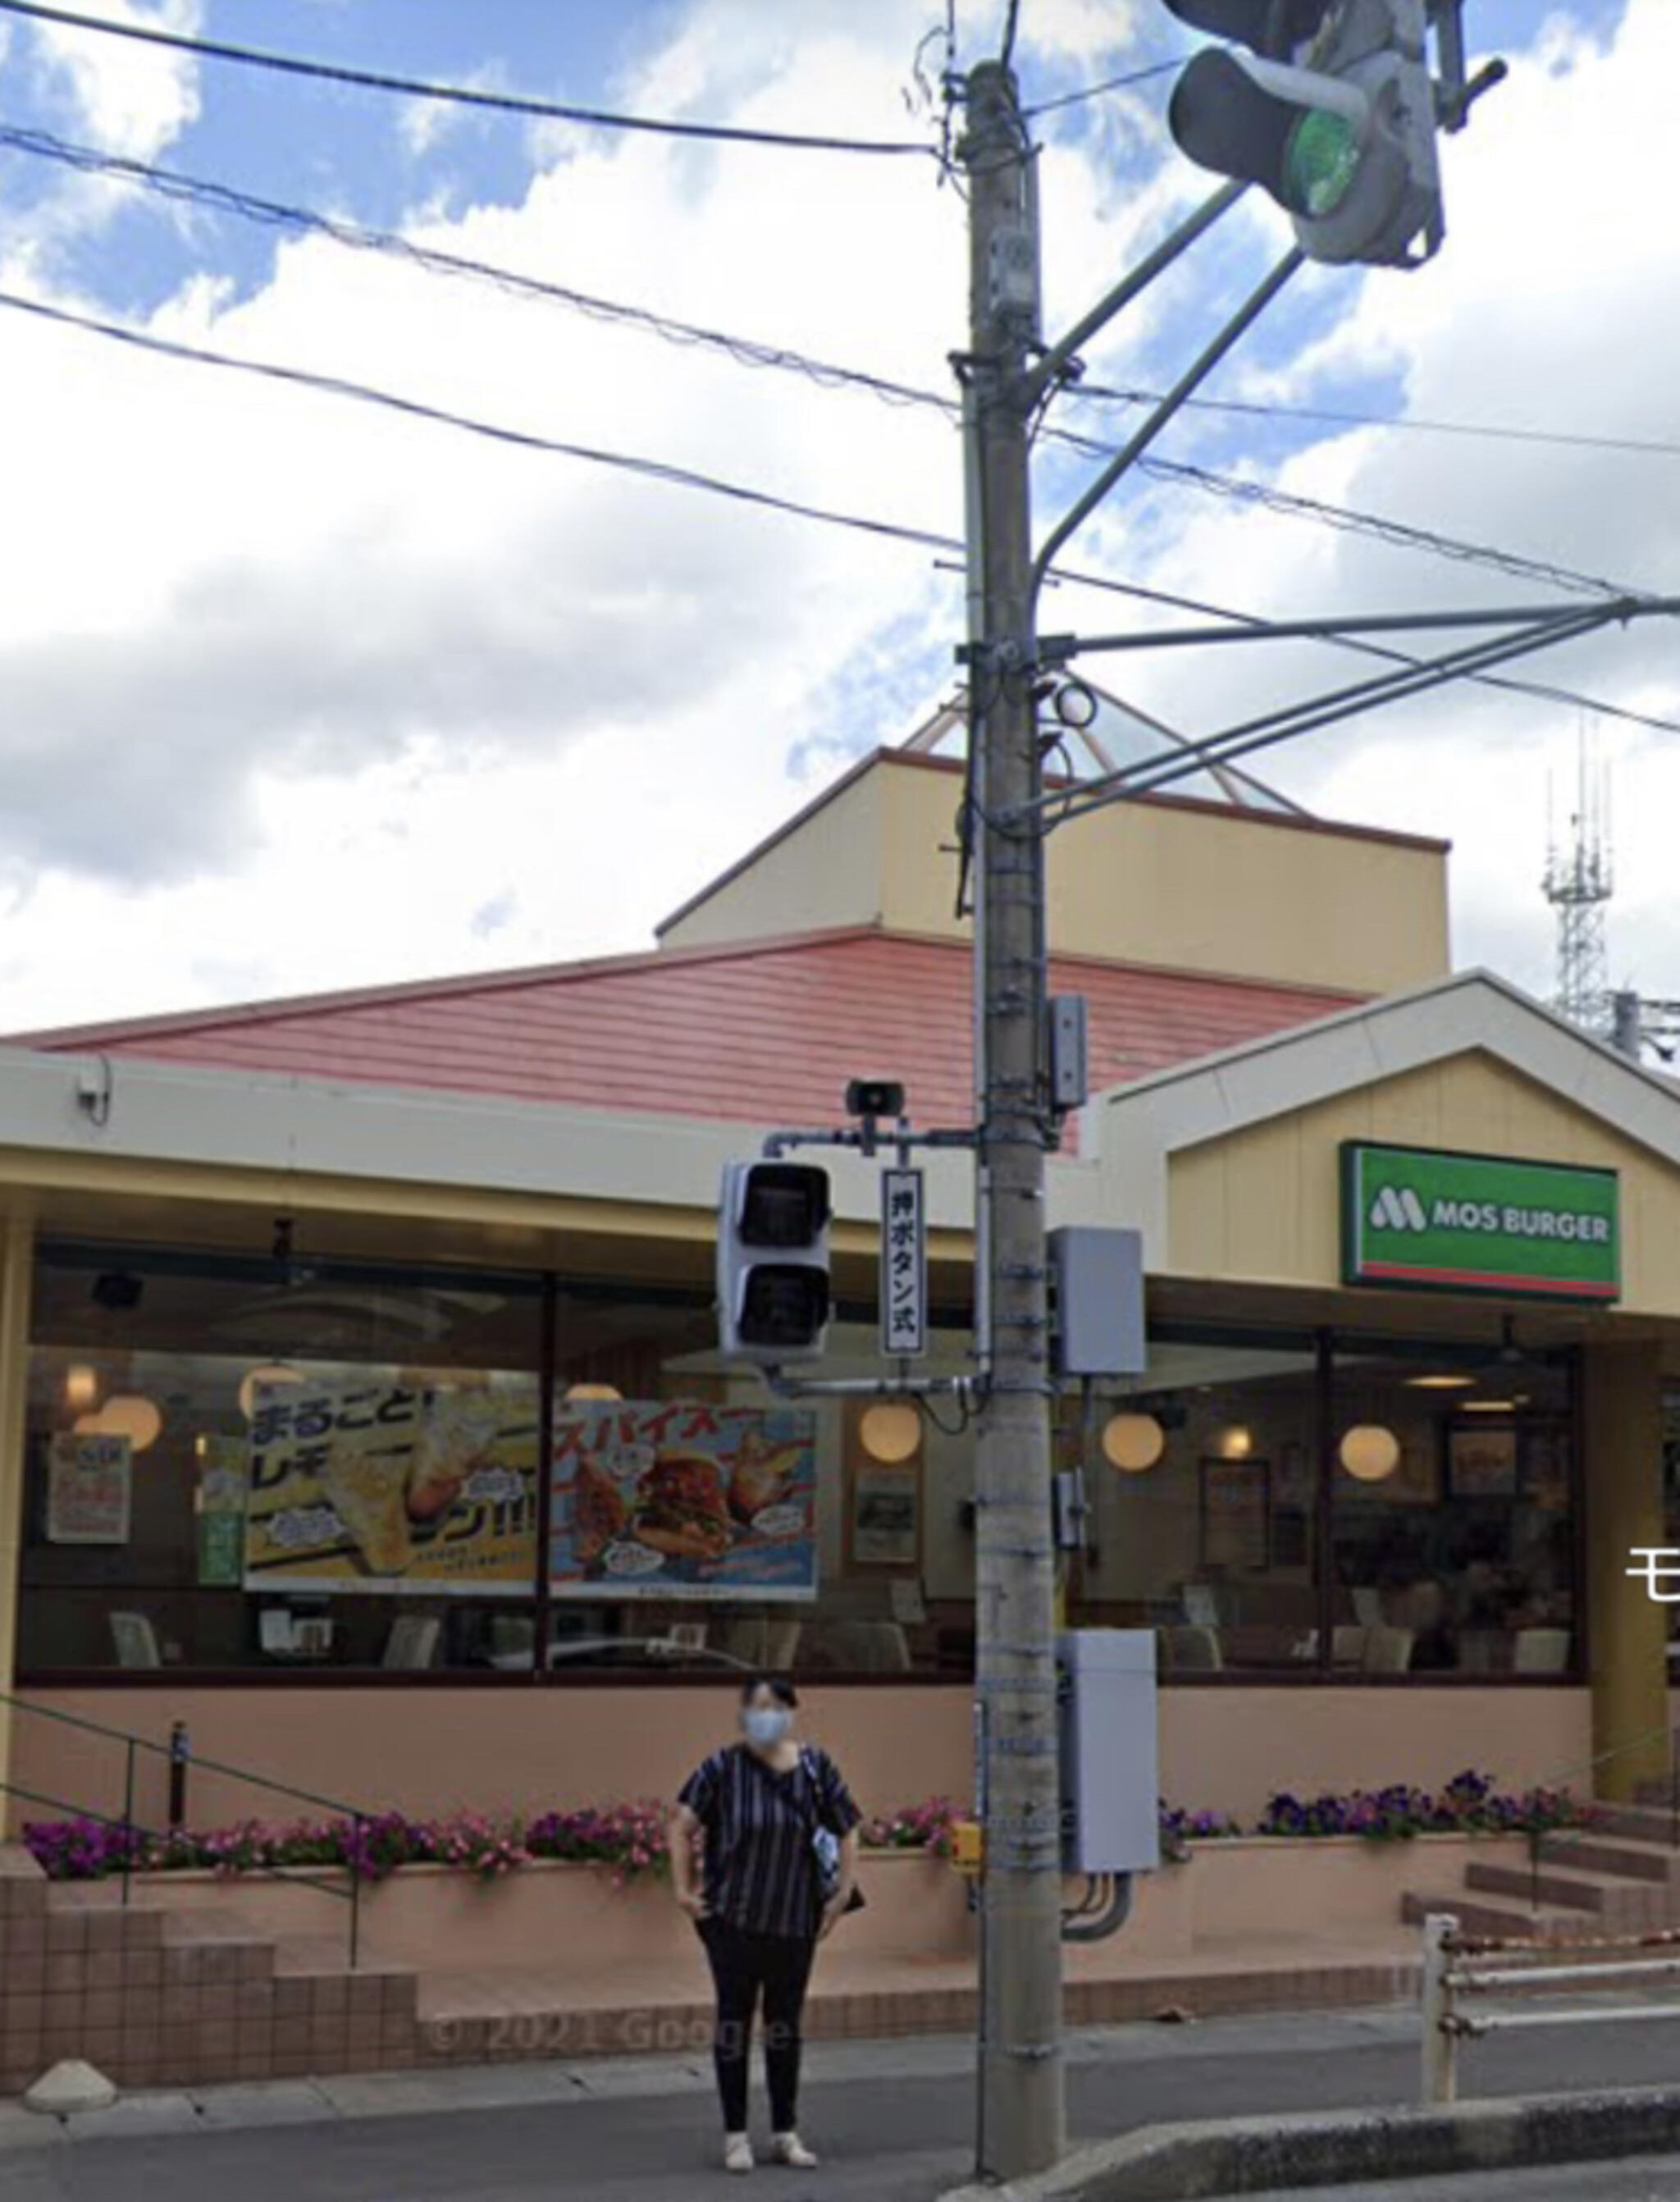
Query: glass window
276	1465
1454	1480
700	1524
1203	1520
293	1466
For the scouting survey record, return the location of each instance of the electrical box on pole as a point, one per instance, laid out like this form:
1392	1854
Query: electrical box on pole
1332	110
773	1293
1110	1788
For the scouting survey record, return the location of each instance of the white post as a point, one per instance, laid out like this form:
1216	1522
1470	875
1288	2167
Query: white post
1441	2040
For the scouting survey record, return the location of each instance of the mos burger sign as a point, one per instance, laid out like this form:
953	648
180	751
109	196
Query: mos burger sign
1432	1221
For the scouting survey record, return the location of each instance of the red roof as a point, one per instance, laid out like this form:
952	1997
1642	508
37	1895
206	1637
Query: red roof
762	1031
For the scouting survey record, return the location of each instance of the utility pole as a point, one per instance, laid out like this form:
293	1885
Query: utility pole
1022	2121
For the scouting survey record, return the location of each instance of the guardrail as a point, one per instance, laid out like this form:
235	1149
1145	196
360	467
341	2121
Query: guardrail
178	1751
1456	1967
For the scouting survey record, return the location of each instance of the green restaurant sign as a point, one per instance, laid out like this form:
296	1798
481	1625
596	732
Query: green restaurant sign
1438	1222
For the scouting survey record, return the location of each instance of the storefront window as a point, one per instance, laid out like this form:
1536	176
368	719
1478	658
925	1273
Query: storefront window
1203	1489
280	1466
297	1467
1453	1543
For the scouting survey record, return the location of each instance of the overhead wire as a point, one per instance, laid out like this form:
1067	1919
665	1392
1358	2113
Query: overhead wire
1124	83
746	351
690	478
590	118
525	439
1408	424
227	198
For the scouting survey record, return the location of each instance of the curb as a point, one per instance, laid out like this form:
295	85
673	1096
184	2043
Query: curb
1255	2156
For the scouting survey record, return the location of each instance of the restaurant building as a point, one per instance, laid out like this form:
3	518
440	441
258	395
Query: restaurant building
318	1319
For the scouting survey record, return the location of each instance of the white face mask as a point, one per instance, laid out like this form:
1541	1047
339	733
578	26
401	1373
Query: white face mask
766	1725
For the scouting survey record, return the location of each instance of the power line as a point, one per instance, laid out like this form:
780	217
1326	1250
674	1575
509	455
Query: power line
1397	533
457	95
225	198
416	409
1098	90
1329	416
748	351
1012	24
690	478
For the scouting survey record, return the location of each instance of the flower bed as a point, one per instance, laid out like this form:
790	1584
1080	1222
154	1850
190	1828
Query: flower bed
1471	1804
630	1839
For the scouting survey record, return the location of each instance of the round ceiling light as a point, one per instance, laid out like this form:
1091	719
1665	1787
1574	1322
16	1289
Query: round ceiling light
891	1432
1133	1443
131	1414
1369	1454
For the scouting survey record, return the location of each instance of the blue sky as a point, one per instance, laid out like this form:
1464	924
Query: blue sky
426	657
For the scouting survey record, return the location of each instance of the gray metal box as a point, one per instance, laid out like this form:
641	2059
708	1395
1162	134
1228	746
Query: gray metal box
1110	1784
1099	1281
1070	1052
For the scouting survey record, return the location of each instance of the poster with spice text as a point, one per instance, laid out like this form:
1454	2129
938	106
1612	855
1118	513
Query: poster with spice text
374	1486
679	1500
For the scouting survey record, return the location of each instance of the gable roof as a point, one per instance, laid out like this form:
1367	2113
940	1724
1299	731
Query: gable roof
1279	1074
765	1032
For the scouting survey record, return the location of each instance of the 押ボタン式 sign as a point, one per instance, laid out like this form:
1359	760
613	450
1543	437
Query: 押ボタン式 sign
1440	1222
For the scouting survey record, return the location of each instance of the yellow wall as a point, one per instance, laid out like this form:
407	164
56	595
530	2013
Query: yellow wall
1188	887
825	871
1265	1203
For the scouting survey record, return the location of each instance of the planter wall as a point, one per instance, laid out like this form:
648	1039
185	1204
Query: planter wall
572	1917
553	1915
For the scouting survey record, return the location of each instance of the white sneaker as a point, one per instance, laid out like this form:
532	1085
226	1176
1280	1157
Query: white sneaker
787	2148
737	2152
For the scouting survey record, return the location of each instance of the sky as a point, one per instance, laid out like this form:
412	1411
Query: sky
297	694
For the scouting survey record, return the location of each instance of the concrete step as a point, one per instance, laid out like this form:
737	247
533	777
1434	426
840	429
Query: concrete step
1479	1915
1614	1903
1626	1860
1652	1817
1573	1892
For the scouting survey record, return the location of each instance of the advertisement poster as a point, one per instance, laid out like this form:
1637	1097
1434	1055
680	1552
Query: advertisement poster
219	1505
89	1489
681	1500
387	1487
886	1514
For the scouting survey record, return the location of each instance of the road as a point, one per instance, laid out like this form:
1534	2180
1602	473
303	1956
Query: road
895	2118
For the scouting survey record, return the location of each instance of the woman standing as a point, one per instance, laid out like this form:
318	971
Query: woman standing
760	1906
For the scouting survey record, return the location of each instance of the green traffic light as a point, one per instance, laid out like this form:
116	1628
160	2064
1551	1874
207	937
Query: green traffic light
1320	163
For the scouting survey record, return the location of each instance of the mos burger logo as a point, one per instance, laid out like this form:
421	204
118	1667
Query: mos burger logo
1397	1208
1401	1209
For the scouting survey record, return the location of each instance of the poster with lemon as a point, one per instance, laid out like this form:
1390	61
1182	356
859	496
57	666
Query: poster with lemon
392	1487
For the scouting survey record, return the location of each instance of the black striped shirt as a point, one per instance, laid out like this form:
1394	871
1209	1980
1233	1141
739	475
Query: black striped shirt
760	1873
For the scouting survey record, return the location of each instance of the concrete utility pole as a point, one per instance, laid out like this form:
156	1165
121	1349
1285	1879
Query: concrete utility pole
1021	2114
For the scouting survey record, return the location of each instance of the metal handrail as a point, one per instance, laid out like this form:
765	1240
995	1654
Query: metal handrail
34	1711
1445	2025
176	1754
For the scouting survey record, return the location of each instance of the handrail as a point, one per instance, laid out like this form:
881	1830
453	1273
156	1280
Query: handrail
176	1755
27	1706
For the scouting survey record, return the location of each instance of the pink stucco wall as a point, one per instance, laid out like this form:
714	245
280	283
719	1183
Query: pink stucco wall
430	1749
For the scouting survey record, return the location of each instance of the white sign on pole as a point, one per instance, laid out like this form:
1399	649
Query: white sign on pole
904	1264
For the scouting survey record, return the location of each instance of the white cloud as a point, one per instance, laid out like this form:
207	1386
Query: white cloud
296	694
131	98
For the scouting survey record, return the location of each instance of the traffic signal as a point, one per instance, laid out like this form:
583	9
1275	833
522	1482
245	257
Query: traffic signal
774	1294
1332	110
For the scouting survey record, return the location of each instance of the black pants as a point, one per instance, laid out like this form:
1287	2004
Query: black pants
747	1969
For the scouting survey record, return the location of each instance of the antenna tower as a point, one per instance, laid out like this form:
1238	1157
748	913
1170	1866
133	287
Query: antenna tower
1580	881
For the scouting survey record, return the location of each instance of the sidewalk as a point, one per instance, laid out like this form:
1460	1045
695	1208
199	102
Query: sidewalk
894	2118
